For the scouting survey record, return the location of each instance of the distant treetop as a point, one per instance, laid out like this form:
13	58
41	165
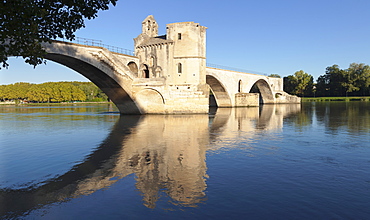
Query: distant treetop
275	75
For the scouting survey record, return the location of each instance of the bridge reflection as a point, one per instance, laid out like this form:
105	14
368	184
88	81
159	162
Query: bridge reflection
166	153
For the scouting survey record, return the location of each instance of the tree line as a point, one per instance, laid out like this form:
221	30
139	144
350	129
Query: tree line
353	81
51	92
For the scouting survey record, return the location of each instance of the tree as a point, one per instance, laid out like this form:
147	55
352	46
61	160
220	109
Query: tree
357	79
305	83
275	75
338	82
52	92
92	92
55	92
322	86
26	24
335	78
3	95
301	83
19	90
351	76
290	83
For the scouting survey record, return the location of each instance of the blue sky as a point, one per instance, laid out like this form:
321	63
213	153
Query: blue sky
267	36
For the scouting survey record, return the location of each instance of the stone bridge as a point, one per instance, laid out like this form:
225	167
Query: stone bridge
168	74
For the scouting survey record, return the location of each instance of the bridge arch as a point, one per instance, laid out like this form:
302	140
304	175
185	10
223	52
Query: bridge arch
150	100
219	91
266	95
98	70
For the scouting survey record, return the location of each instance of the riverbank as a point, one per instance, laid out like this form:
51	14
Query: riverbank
329	99
52	103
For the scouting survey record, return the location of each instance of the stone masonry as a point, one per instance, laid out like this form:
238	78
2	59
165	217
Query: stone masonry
168	74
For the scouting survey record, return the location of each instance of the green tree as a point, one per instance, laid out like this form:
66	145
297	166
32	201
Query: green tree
25	24
305	83
275	75
322	86
290	83
14	91
301	83
357	79
2	93
338	82
91	91
335	79
70	92
20	89
34	93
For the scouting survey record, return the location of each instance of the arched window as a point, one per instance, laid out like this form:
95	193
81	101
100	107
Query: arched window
146	71
151	61
179	68
240	86
158	71
133	67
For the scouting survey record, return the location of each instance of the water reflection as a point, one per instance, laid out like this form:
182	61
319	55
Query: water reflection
167	153
351	116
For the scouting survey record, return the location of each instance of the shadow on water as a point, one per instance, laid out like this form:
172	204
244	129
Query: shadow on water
19	202
163	151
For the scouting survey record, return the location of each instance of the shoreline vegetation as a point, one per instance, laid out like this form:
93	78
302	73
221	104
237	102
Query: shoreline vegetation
336	82
330	99
54	103
51	92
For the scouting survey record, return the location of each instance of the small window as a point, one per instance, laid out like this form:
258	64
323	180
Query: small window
179	68
179	36
146	71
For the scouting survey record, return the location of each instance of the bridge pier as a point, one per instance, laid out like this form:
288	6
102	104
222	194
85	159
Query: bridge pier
247	99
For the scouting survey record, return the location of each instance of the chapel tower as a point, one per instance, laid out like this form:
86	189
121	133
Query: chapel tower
179	56
172	68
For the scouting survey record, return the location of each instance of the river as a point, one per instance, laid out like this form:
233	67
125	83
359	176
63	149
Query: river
306	161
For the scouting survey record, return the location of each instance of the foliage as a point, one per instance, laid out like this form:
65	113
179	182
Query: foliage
336	82
346	99
353	81
358	79
300	83
52	92
290	83
55	92
91	91
274	75
332	82
25	24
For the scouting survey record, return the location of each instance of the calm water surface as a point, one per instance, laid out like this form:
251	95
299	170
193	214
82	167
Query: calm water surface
309	161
